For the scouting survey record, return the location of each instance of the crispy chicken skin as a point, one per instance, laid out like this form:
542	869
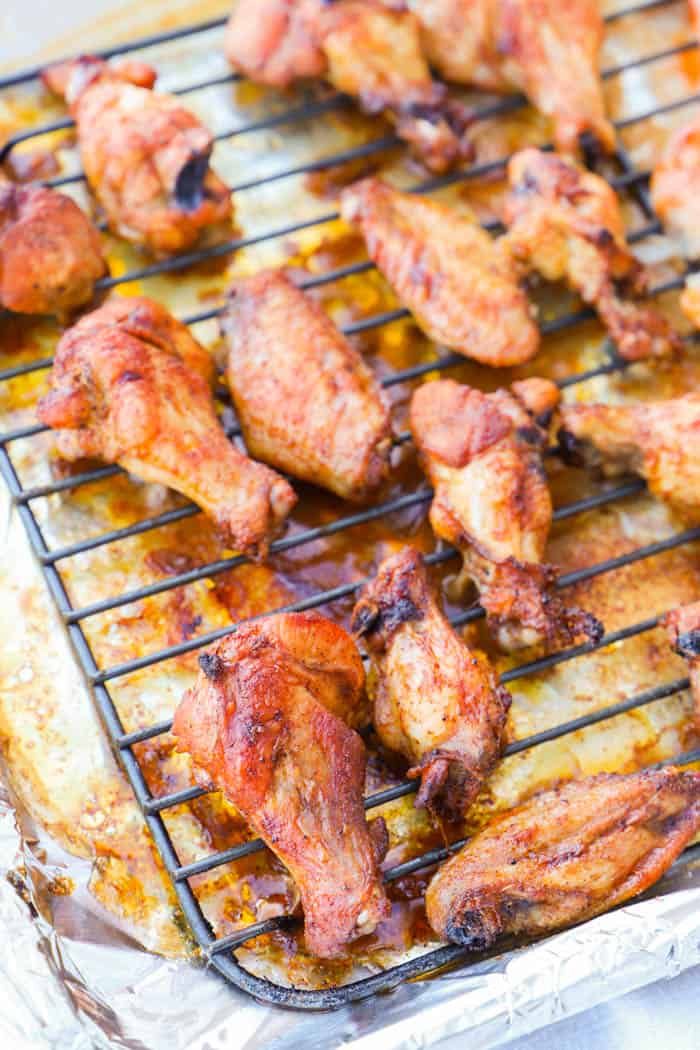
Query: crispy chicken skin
690	300
460	285
565	856
436	701
50	253
657	439
683	628
675	187
130	385
544	48
146	156
483	455
306	401
268	722
366	48
566	223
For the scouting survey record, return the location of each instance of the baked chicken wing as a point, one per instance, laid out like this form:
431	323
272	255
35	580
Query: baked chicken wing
50	253
675	187
268	722
483	455
566	223
460	285
306	401
130	385
683	628
565	856
544	48
146	156
436	701
365	48
657	439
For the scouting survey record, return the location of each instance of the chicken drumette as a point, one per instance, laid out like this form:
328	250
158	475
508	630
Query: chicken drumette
365	48
460	285
306	401
50	253
436	701
544	48
268	722
683	627
565	856
566	223
483	455
675	187
130	385
145	156
657	439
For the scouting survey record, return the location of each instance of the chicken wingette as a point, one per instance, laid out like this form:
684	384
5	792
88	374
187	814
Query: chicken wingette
483	455
50	252
566	223
565	856
365	48
460	284
545	48
436	701
269	722
146	157
657	439
130	385
306	401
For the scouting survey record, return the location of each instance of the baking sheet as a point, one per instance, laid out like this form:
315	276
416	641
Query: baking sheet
28	702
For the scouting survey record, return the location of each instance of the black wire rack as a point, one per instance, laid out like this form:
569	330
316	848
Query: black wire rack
220	952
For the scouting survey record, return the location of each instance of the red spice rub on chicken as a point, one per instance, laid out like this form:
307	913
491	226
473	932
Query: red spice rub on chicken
130	385
436	701
565	856
50	252
146	156
268	722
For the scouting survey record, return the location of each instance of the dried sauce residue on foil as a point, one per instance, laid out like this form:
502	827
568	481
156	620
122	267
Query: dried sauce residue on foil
58	762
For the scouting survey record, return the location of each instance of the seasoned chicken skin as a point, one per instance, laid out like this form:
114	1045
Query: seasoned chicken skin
365	48
50	253
146	156
657	439
130	385
483	455
460	285
565	856
683	628
436	701
675	187
566	223
306	401
544	48
268	722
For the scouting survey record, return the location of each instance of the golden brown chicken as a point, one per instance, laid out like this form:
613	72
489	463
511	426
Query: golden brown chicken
683	628
483	455
657	439
436	701
50	253
565	856
130	385
566	223
544	48
268	723
460	285
365	48
145	156
675	187
306	401
690	300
